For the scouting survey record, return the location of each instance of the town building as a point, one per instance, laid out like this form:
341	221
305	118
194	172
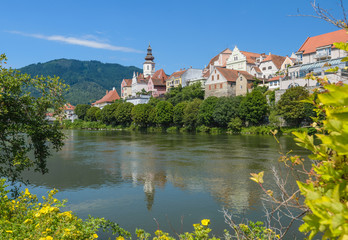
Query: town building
271	65
190	76
126	88
217	61
139	84
174	80
316	55
244	61
109	98
157	83
69	112
223	82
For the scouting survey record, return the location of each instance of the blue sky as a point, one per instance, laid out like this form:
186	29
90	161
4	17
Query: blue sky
181	33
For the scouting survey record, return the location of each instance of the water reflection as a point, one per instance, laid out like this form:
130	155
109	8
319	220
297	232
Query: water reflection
175	173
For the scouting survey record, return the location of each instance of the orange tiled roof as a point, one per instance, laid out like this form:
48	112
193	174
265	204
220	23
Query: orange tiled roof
109	97
231	75
159	75
68	106
275	78
214	59
177	74
128	82
251	57
312	43
277	60
257	69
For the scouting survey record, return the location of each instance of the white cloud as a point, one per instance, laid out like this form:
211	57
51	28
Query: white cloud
79	41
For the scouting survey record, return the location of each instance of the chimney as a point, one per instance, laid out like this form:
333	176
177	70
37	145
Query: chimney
113	89
270	53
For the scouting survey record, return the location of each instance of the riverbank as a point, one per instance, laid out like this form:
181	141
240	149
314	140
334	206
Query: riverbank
252	130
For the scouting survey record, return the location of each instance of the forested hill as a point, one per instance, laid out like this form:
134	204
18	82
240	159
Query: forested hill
88	80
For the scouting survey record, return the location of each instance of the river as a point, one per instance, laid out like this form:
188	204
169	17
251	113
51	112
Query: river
144	180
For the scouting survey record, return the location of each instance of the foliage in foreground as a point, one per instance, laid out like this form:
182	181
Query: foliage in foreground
23	125
26	218
325	208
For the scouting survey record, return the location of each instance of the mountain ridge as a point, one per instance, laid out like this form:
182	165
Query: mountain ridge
88	80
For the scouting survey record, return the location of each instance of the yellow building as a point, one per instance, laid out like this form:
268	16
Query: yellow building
174	80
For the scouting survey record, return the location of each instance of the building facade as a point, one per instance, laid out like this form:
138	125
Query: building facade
315	56
109	98
126	88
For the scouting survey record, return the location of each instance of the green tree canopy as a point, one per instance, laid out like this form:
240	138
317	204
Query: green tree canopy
164	113
178	114
91	114
188	93
140	114
206	111
226	109
191	114
123	113
81	110
108	112
24	128
292	109
254	107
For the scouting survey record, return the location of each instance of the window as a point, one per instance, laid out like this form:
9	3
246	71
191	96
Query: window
241	78
264	68
212	78
241	87
215	86
220	85
269	67
215	71
218	77
209	87
235	58
148	67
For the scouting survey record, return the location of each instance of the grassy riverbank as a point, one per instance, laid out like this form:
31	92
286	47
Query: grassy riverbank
254	130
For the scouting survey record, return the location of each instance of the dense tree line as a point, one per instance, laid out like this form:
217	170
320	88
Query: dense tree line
185	108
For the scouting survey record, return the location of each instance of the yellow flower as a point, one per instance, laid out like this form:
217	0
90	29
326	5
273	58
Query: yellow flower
49	238
28	221
9	231
27	192
120	238
95	235
205	222
158	232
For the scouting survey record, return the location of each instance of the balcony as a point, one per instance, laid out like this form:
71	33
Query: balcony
322	55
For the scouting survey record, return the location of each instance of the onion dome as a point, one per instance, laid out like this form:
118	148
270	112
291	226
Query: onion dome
149	56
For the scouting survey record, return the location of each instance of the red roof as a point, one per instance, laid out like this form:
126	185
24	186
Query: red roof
68	106
159	75
128	82
312	43
277	60
214	59
109	97
177	74
232	75
251	57
275	78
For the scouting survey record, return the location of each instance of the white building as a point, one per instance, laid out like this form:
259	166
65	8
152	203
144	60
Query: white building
316	55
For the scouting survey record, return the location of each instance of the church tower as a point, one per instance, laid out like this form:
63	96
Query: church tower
149	65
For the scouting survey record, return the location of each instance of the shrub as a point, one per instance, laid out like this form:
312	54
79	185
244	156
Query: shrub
235	125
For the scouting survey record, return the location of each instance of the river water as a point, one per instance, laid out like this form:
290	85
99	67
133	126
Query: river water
144	180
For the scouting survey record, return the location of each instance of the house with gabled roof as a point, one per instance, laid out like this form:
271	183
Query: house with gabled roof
109	98
244	61
223	82
139	83
218	61
174	80
69	112
157	83
271	65
315	56
126	88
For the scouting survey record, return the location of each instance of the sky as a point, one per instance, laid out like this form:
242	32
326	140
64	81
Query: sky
182	34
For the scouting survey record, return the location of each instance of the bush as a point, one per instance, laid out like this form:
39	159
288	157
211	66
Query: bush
235	125
27	218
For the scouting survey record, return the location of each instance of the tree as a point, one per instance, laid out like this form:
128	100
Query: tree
178	114
108	112
292	109
191	113
140	114
123	113
206	111
24	128
81	110
164	113
254	107
188	93
91	114
226	109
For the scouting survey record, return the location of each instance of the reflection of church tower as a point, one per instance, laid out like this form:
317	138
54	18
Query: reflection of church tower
149	190
149	65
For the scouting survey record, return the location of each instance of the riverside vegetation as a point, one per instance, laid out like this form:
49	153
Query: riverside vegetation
184	110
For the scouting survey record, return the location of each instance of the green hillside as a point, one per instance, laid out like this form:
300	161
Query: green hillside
88	80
